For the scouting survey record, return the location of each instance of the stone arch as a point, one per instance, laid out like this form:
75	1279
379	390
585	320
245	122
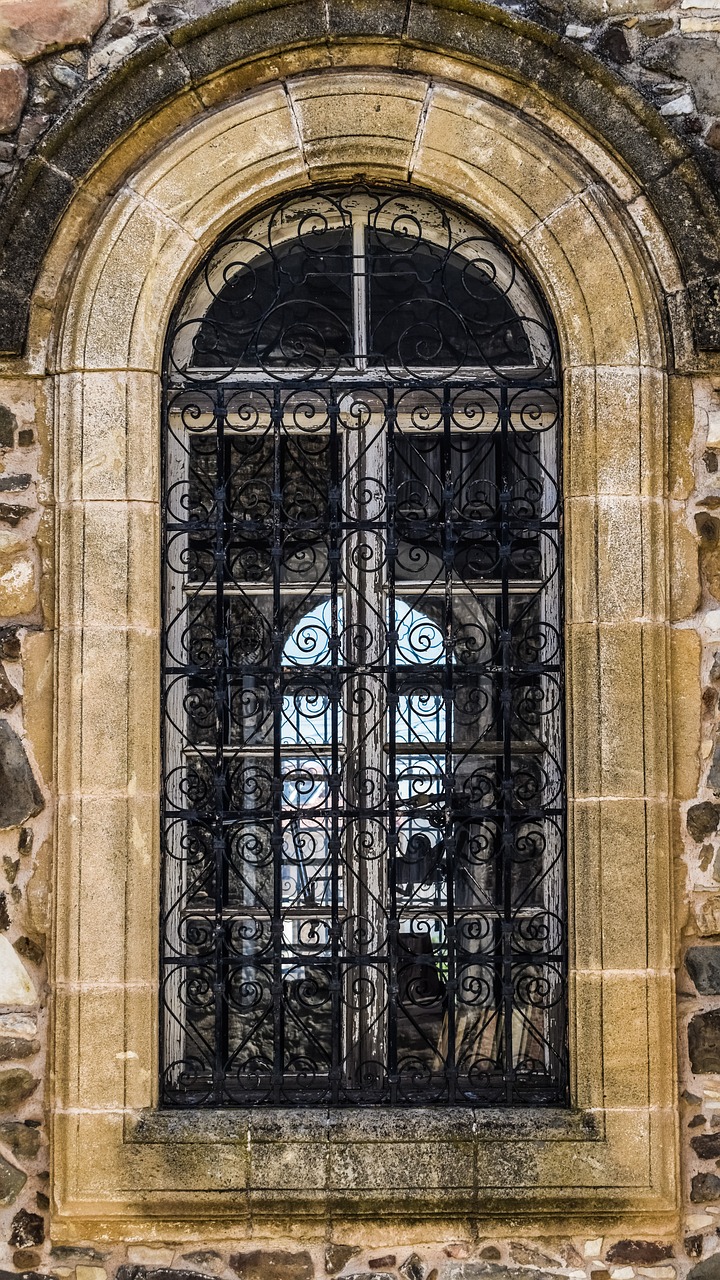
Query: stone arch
587	233
205	62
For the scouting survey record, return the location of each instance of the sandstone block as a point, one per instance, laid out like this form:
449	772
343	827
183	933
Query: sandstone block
18	590
29	28
16	985
13	92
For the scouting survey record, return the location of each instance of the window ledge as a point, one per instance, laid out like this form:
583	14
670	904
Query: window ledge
293	1125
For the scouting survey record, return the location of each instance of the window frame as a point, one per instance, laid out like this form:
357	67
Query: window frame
615	1152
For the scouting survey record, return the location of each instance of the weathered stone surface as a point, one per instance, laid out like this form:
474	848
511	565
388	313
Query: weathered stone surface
696	61
693	1246
27	1229
16	1084
412	1268
9	695
156	1273
13	512
703	819
15	483
29	28
17	989
707	916
12	1181
705	1186
273	1264
708	1269
703	965
10	647
13	92
8	427
708	528
4	913
30	950
20	796
613	43
26	1260
526	1254
495	1271
378	1264
706	1145
643	1251
704	1041
337	1255
370	1275
14	1047
23	1140
18	592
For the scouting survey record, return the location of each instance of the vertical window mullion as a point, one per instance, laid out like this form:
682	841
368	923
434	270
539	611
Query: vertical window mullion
221	763
278	642
449	821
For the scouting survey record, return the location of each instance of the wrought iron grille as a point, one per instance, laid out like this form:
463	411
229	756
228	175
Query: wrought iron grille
363	804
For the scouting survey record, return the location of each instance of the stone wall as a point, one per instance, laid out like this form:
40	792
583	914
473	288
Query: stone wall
49	52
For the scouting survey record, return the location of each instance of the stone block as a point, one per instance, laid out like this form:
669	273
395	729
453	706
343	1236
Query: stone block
685	652
469	133
369	115
703	965
16	1085
708	1269
645	1252
30	28
702	820
17	989
22	1140
704	1042
12	1181
27	1229
704	1187
13	92
272	1264
20	796
337	1256
18	584
706	1145
244	148
623	871
588	273
38	669
685	588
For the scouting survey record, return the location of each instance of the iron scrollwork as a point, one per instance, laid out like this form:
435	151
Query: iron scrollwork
364	798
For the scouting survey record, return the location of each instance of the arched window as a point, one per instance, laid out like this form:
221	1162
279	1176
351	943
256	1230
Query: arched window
363	807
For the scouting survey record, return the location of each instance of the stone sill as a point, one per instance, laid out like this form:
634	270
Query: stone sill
365	1125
